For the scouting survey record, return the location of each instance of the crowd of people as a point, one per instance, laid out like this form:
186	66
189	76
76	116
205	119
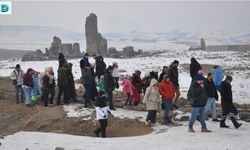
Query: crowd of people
100	80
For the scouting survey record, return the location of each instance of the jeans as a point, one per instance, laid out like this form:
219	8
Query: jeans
211	104
167	106
151	117
18	90
194	113
110	97
47	100
27	91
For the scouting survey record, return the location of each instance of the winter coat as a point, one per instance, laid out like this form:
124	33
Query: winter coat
194	68
161	76
100	68
61	60
226	96
36	90
62	79
152	96
115	73
101	86
210	89
17	75
127	86
84	62
48	83
109	81
167	90
173	75
27	80
101	108
218	76
71	84
86	77
197	95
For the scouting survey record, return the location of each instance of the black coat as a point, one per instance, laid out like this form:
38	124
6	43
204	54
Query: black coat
173	75
61	60
210	89
47	85
197	95
101	101
194	68
100	68
226	96
109	81
62	79
71	84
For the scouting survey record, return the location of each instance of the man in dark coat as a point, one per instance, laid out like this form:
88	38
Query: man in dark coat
61	60
72	92
164	71
87	81
63	84
109	83
100	67
227	103
212	96
173	75
198	99
84	61
194	68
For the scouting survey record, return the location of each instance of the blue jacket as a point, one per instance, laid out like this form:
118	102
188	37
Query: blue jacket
218	76
36	90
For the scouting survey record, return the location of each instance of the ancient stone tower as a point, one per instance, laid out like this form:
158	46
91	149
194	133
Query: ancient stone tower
95	43
202	44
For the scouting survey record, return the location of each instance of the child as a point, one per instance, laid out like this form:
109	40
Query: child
102	111
100	84
36	90
127	89
49	86
152	100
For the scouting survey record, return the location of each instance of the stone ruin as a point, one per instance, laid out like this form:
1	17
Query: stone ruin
95	42
127	52
202	44
69	50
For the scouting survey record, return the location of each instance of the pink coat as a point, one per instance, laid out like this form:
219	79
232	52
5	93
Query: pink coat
127	86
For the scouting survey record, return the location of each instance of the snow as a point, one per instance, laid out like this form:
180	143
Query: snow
173	138
227	60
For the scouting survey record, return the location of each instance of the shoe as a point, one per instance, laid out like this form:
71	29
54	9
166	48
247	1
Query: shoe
147	123
205	130
112	108
191	130
216	120
97	134
239	125
175	106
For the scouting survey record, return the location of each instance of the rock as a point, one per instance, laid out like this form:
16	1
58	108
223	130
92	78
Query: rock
96	44
59	148
68	49
128	51
202	44
244	115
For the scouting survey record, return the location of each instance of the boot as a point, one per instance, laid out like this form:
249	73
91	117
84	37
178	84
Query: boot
236	124
167	120
205	130
222	124
191	130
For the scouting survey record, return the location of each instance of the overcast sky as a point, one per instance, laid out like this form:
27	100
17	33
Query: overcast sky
132	16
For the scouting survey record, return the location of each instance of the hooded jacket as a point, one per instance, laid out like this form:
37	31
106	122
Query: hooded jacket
226	96
218	76
197	95
167	90
152	96
194	68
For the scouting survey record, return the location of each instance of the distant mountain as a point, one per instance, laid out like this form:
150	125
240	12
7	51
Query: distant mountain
11	54
34	37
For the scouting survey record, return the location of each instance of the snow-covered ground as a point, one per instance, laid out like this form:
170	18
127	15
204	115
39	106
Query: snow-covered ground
167	138
227	60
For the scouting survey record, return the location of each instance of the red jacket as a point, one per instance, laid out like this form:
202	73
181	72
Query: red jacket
166	89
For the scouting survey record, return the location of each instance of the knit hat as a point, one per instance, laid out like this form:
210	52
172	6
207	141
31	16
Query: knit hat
199	77
229	78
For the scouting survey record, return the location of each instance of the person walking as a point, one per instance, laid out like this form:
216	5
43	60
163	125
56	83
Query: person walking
28	85
152	100
128	90
137	90
109	83
63	84
198	99
36	90
194	68
17	80
116	74
102	112
228	109
167	91
49	85
174	75
212	96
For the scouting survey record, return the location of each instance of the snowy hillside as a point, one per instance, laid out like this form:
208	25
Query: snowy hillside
234	63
